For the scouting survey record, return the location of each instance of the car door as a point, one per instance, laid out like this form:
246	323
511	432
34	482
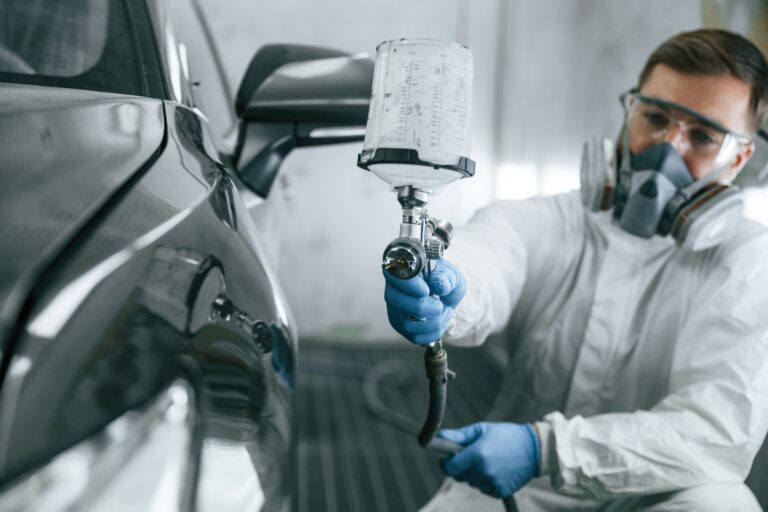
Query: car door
154	364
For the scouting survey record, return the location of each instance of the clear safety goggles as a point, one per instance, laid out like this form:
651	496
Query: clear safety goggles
657	120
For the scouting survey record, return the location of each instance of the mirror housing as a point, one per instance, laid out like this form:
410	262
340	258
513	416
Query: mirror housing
294	96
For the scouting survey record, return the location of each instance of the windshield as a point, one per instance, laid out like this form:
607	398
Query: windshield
82	44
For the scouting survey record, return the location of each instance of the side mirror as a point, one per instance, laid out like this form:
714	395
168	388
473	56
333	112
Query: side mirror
293	96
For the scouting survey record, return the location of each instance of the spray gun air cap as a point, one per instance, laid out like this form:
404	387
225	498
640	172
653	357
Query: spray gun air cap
404	258
418	131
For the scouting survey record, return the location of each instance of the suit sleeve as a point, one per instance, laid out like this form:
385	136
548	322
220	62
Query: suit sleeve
497	250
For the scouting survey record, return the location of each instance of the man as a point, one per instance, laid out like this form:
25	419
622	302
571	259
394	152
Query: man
638	369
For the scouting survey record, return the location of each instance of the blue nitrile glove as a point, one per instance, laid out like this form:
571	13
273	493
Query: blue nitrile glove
499	458
421	312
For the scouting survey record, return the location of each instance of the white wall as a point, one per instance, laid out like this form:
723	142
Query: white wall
568	61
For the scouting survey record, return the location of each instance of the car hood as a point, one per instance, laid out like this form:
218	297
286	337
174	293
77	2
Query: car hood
65	153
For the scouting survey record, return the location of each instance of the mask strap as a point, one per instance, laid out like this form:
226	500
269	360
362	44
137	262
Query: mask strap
625	169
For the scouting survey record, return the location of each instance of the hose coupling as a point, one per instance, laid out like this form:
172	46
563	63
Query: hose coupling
436	364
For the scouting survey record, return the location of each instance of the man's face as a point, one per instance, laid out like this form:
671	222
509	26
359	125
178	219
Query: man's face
724	99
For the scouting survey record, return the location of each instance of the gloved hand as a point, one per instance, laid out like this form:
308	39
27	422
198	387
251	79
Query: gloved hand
413	310
499	458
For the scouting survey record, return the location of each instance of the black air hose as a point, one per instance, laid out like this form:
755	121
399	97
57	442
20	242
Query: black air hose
436	365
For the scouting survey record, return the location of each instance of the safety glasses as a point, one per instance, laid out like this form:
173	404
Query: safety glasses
657	120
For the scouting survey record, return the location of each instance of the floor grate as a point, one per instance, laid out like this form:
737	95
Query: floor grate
349	460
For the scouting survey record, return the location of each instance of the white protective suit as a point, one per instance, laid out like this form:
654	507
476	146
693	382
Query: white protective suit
645	364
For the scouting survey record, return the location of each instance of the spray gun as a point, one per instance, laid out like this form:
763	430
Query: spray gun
421	242
416	136
417	139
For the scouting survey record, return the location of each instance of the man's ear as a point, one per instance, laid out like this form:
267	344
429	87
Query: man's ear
739	162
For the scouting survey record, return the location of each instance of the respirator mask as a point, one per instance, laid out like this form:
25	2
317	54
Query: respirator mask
654	192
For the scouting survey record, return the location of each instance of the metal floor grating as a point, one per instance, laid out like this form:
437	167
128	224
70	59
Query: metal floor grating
349	460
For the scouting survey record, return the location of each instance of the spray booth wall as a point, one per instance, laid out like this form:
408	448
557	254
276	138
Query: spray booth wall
547	76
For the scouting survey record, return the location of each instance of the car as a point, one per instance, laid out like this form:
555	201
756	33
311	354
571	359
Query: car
148	352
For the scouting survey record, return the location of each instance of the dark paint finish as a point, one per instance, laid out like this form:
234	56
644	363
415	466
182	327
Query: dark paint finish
132	308
129	260
64	153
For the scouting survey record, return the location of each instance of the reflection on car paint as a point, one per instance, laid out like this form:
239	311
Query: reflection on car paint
55	178
149	319
153	444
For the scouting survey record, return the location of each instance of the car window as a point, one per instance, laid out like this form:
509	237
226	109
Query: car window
83	44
